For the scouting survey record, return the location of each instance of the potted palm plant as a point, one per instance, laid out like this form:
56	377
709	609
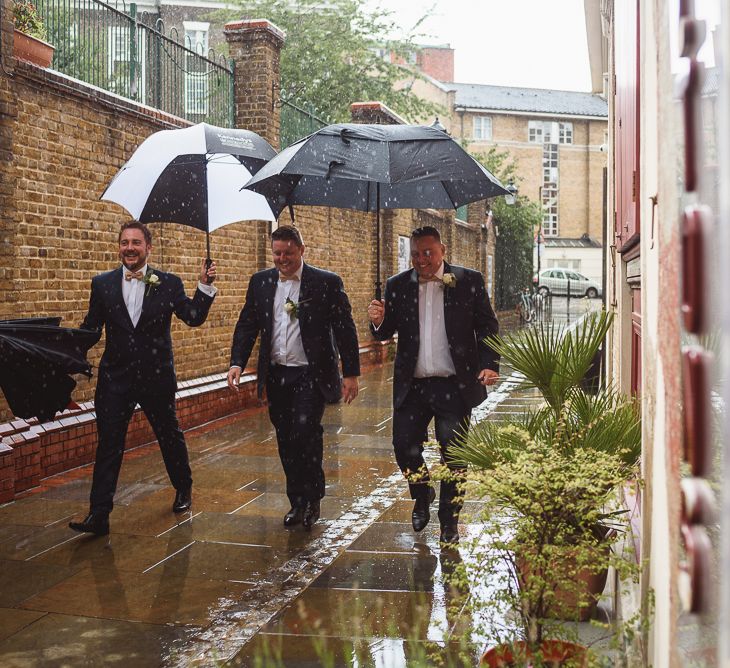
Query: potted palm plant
30	35
549	478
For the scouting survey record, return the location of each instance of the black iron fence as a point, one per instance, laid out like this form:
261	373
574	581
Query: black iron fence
120	52
299	119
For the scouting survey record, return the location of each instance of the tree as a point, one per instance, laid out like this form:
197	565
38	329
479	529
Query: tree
517	224
337	53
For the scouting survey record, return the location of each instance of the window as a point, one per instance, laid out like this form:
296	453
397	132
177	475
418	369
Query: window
482	127
125	77
534	132
565	133
196	71
461	212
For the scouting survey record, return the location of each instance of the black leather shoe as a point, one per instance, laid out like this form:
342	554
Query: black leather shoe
183	500
311	514
294	516
421	514
96	523
449	533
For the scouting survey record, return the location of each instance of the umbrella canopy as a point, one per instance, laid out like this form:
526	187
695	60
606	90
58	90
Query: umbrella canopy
373	167
193	176
38	357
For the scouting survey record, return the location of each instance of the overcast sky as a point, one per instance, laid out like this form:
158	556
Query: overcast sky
526	43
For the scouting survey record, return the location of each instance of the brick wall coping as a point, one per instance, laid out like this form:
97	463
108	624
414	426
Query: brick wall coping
69	86
256	25
357	108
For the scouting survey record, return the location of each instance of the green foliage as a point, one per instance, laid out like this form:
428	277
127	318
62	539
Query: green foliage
515	224
550	478
27	19
332	55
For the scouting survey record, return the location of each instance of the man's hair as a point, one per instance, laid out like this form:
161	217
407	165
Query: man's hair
287	233
426	231
136	225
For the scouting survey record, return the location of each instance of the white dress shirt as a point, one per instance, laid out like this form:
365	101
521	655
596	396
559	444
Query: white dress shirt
434	358
286	336
133	293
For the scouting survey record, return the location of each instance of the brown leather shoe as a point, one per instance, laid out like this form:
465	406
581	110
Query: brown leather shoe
421	515
183	500
96	523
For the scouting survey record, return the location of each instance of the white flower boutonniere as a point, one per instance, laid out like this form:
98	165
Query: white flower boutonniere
449	280
292	308
151	280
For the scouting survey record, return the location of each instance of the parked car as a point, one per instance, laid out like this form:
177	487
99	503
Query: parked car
555	281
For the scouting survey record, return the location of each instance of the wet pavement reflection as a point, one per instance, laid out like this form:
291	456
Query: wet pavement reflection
227	584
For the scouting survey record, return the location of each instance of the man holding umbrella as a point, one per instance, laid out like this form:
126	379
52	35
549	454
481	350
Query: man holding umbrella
304	318
135	304
442	315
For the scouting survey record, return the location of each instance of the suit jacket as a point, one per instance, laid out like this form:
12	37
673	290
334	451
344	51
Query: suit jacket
469	319
141	354
325	322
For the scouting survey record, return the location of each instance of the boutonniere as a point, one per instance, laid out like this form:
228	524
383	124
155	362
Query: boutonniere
151	280
292	308
449	280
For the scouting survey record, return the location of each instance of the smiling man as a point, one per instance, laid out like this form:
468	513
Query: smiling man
442	314
301	313
135	304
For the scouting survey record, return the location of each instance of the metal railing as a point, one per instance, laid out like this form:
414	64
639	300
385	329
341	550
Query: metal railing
298	119
116	50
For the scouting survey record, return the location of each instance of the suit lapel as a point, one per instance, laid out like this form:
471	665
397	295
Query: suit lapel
412	295
268	292
147	297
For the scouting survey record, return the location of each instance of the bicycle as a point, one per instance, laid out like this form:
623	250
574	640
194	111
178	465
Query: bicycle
525	307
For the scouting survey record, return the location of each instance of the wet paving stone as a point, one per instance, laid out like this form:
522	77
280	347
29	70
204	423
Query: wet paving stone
216	585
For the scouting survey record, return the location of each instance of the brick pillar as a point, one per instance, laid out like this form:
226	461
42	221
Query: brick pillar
8	116
255	47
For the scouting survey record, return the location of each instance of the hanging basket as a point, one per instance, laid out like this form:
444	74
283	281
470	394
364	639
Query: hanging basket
32	50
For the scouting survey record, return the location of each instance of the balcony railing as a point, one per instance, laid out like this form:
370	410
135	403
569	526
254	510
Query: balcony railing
121	51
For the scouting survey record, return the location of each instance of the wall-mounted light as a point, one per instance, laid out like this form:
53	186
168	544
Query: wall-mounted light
512	189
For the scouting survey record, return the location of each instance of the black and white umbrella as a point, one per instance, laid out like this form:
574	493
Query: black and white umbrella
373	167
193	176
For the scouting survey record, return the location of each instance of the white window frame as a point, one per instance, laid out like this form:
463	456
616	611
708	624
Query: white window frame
197	83
482	128
118	55
565	133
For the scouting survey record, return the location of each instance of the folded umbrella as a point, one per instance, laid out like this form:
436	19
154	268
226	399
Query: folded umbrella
38	357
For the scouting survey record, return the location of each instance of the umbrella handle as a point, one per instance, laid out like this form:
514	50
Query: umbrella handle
208	279
378	291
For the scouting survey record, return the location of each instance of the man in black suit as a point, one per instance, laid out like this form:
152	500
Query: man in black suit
304	319
135	304
441	313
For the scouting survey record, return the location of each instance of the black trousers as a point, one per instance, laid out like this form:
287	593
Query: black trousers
296	407
430	398
114	410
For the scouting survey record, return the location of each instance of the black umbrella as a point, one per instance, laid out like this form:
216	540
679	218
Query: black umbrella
37	357
193	176
373	167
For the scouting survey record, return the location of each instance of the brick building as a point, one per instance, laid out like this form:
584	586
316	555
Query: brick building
556	138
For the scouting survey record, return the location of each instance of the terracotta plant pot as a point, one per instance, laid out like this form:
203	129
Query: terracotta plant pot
554	653
566	604
32	50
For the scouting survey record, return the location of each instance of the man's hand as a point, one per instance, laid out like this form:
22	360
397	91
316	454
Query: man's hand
234	377
350	388
488	377
207	276
376	312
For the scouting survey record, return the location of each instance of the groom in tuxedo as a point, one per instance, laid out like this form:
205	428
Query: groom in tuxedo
441	313
135	304
304	319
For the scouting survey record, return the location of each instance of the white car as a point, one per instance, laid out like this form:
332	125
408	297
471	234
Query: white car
555	281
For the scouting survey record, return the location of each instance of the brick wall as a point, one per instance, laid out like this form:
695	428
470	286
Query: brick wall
61	142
